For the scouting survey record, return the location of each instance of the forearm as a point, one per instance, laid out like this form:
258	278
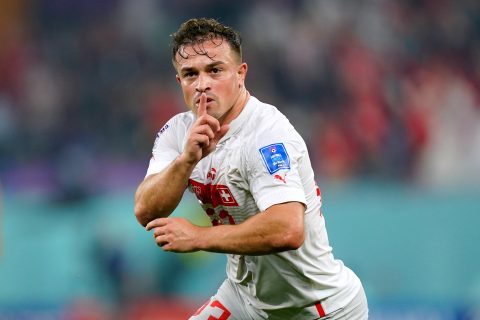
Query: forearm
159	194
235	239
263	233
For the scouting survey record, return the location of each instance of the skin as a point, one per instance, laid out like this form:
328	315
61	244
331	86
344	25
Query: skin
213	87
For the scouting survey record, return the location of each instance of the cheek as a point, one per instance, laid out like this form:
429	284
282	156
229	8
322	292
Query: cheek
188	92
231	86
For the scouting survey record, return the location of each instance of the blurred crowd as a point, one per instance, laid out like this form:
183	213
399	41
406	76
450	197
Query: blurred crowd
379	89
383	89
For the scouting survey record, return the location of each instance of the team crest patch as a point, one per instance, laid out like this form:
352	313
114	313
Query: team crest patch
275	157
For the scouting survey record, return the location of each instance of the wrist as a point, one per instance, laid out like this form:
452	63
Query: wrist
189	163
200	242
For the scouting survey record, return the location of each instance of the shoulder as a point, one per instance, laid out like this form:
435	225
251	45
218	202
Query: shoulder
270	125
265	110
172	133
271	138
181	120
177	125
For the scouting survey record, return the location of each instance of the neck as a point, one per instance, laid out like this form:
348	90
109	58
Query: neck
237	108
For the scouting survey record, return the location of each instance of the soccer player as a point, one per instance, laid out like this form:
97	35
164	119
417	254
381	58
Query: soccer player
250	170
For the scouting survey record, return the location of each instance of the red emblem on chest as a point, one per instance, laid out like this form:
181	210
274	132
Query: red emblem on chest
214	194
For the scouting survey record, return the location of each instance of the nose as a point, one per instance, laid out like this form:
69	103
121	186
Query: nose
203	83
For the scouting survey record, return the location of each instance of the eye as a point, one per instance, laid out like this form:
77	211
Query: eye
188	74
216	70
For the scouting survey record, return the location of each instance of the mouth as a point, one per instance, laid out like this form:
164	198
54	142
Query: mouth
197	102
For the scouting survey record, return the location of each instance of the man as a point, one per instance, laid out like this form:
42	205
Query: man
251	173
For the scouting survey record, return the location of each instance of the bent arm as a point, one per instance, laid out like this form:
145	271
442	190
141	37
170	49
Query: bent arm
279	228
159	194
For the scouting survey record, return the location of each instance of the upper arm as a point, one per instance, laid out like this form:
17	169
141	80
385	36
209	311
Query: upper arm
288	217
275	182
167	146
273	172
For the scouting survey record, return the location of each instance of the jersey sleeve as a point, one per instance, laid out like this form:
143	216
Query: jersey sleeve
273	169
167	146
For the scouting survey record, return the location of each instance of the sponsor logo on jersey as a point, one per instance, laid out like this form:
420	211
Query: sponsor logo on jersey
214	194
275	157
212	174
280	178
165	127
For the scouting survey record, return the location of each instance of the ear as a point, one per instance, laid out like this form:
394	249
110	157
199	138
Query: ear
178	78
242	72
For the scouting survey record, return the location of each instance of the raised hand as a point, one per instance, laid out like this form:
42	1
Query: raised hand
204	134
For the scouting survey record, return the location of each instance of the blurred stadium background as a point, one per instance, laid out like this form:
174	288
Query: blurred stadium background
386	94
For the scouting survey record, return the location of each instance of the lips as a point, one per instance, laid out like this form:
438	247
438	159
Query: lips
197	101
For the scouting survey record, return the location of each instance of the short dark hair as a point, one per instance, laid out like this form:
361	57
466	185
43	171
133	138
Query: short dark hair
196	31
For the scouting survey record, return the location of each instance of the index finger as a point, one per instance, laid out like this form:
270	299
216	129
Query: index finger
160	222
202	105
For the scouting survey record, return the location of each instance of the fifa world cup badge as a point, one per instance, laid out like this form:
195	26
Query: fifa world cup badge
275	157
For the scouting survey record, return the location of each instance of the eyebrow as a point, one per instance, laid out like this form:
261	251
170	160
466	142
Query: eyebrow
208	66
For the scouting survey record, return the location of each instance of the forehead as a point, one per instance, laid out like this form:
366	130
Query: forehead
204	52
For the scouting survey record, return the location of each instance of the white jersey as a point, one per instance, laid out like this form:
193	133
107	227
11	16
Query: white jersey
262	161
